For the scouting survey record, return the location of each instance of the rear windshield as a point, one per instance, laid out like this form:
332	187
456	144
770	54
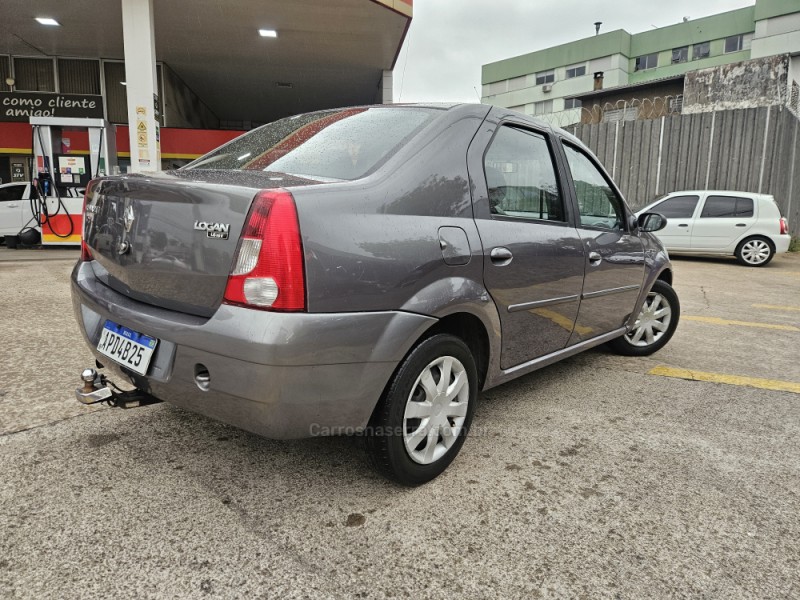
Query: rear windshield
334	145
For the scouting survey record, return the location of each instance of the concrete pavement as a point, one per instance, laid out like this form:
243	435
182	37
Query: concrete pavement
588	479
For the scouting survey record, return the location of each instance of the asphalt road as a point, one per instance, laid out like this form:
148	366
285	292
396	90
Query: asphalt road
589	479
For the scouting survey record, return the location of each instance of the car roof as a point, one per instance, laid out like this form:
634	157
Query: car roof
722	193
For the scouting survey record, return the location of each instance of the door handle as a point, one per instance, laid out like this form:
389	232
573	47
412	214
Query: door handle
683	225
595	259
741	224
501	256
12	205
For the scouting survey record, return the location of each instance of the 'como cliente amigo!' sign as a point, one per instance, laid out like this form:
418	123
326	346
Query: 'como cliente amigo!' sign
21	106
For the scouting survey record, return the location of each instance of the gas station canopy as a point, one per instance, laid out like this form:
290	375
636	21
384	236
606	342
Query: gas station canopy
325	53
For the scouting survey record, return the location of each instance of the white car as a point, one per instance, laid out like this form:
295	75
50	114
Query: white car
745	225
16	211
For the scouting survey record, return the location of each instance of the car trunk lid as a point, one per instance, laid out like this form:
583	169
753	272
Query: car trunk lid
170	239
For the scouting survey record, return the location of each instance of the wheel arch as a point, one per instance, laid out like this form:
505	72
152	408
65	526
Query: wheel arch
471	330
665	275
755	236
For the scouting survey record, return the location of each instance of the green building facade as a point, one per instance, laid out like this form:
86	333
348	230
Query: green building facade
542	82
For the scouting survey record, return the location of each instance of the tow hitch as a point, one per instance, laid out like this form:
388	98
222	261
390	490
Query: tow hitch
97	388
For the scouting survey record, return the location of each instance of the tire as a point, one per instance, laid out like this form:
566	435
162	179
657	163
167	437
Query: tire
408	407
29	237
12	241
755	252
650	333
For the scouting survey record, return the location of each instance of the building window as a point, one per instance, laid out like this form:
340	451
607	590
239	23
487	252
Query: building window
498	87
571	103
519	109
680	55
701	50
77	76
648	61
545	77
579	71
34	74
542	108
516	84
734	43
627	113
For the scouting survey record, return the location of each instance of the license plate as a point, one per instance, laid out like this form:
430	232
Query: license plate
127	347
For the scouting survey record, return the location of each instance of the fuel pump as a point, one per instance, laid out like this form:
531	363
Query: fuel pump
60	173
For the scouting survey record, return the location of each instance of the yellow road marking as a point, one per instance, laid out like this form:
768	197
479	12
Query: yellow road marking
754	382
718	321
562	321
776	307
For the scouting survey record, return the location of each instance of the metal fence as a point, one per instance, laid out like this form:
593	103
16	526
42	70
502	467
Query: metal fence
750	149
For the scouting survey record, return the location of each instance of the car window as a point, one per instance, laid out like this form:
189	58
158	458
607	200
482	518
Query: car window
678	207
521	178
727	207
12	192
598	204
336	145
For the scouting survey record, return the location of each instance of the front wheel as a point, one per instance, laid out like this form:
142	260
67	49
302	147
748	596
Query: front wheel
655	324
423	418
754	252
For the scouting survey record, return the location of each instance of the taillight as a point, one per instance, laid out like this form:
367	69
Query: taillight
268	272
86	253
784	226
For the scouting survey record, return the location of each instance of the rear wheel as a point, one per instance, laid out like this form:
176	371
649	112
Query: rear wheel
655	324
755	252
423	418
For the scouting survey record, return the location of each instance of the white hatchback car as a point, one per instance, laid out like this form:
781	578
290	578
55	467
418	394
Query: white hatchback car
16	211
745	225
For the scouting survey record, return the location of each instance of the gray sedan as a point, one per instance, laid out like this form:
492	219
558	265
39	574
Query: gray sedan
366	270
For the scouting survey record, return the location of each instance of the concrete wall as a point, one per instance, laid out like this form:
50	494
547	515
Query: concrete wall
752	83
752	150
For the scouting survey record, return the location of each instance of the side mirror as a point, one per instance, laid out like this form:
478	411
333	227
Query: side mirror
651	222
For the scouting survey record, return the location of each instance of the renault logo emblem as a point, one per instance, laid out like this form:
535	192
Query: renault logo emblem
128	218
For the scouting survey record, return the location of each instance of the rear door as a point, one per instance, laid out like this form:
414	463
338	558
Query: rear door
533	257
14	205
680	211
614	256
723	219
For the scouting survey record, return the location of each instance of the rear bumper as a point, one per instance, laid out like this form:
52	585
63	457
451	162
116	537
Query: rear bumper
281	375
782	243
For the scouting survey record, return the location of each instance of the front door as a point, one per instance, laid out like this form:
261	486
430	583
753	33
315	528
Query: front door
679	210
14	206
533	257
614	262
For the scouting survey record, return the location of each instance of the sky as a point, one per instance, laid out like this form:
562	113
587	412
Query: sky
449	40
